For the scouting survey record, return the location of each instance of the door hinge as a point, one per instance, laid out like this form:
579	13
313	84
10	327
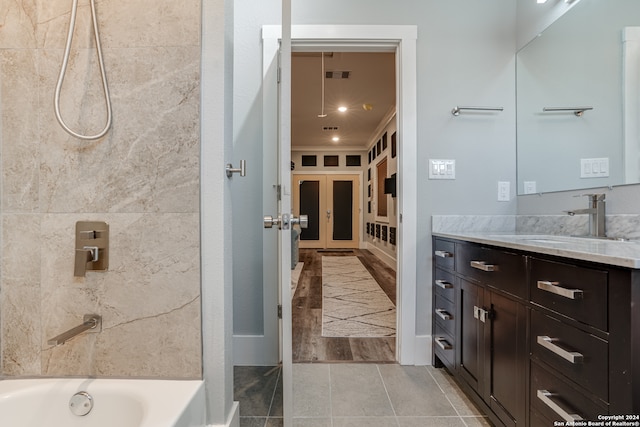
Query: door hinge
279	70
279	311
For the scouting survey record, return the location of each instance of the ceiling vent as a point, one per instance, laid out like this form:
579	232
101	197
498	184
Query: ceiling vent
337	74
329	128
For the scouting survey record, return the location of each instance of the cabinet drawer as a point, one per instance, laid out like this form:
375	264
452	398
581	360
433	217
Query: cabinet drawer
445	314
555	399
577	292
443	283
444	345
444	254
537	420
503	270
577	354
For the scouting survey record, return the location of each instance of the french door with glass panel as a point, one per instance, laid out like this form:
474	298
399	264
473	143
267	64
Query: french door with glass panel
331	203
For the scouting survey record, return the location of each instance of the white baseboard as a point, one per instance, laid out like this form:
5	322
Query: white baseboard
234	416
233	420
254	350
385	257
423	350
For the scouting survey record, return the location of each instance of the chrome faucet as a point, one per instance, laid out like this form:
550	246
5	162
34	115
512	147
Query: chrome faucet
597	215
90	321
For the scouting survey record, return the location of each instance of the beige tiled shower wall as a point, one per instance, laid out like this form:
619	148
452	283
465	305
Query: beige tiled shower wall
142	178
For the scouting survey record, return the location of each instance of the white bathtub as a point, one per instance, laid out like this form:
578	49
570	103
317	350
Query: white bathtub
116	403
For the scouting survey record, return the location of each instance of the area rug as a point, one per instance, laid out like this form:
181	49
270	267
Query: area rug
353	304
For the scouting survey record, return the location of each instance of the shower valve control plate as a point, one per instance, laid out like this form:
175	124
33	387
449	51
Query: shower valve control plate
93	237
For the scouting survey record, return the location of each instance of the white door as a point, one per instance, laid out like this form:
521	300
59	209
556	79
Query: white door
277	77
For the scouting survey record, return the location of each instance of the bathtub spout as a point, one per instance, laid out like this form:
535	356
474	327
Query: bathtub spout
90	321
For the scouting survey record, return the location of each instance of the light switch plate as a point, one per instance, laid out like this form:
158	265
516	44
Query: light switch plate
594	168
442	169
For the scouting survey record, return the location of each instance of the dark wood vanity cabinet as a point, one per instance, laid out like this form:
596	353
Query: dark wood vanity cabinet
584	339
491	354
488	346
444	297
537	338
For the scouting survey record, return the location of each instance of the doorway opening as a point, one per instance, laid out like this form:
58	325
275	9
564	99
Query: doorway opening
344	173
411	348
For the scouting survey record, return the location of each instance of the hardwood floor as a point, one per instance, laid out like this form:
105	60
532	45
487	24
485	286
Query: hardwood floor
308	343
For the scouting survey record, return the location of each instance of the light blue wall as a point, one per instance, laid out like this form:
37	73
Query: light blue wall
465	56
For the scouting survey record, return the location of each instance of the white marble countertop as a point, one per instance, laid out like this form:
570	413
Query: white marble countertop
612	252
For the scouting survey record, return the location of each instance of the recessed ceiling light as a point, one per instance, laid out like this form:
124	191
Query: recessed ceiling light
542	1
342	109
335	139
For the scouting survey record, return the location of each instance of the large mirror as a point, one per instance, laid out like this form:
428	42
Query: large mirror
578	100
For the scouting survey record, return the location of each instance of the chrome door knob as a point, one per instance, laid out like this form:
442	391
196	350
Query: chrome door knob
302	221
270	221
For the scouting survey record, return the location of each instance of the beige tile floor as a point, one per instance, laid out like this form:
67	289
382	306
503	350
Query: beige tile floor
372	395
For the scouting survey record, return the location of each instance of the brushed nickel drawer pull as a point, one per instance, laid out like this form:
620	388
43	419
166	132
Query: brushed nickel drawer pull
443	284
548	343
443	314
444	254
443	344
546	398
481	265
480	313
553	287
483	315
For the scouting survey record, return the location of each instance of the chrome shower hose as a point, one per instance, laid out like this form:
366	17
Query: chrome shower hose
63	70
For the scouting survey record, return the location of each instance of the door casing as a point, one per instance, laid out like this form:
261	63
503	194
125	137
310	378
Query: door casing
401	39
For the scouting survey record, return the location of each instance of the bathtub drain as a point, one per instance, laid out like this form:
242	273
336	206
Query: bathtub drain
81	403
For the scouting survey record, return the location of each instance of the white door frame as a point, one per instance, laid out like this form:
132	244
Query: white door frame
402	40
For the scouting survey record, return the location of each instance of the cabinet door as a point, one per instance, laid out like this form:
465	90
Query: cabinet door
505	365
470	355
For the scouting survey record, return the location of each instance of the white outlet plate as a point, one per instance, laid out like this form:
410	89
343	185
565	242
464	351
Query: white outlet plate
442	169
530	187
504	191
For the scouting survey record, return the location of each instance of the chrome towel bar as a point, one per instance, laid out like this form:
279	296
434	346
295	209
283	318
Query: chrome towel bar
456	110
578	111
